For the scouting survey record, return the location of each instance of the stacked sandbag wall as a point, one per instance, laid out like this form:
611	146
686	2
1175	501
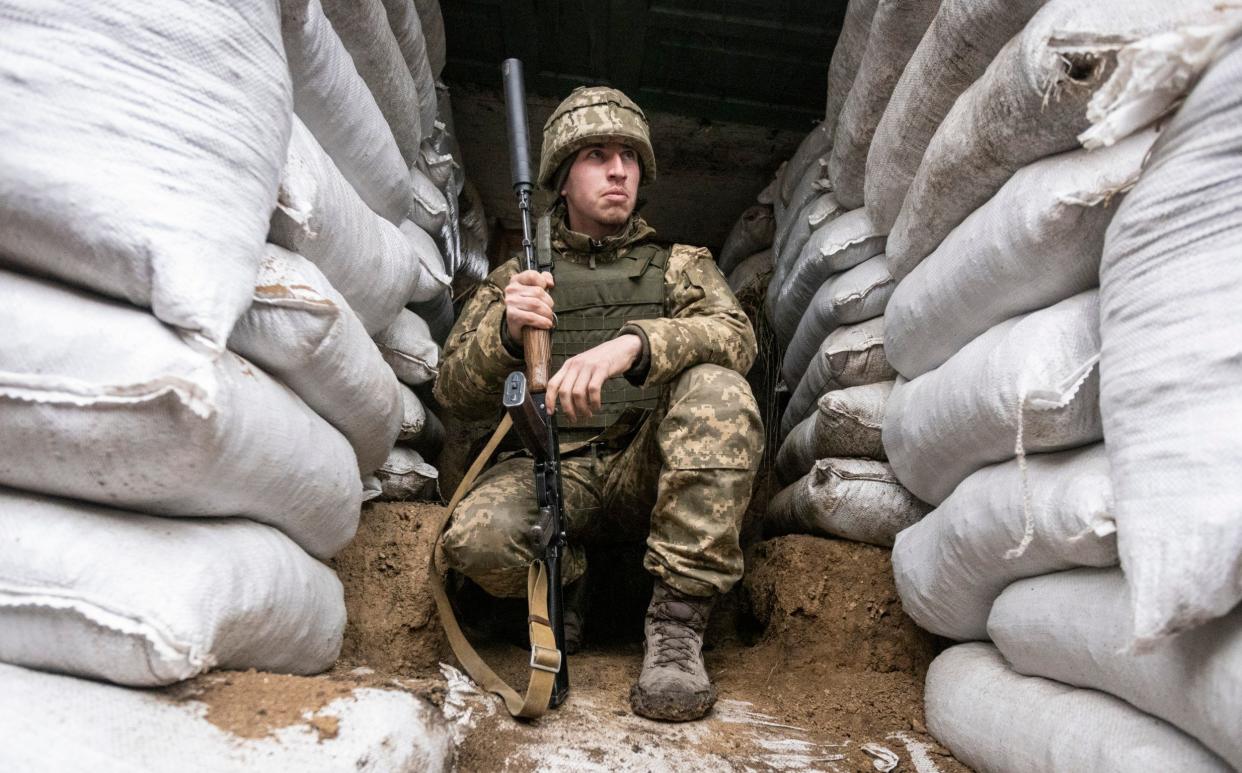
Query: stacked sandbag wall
1051	193
213	218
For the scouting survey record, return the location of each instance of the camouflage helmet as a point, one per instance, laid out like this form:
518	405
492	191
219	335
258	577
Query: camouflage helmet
590	115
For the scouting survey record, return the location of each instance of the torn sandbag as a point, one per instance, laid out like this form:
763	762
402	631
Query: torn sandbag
370	261
1036	242
1030	384
1170	364
1002	523
358	139
1031	102
132	417
300	330
959	43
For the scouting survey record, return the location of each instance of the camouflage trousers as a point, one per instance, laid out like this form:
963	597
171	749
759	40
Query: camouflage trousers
683	482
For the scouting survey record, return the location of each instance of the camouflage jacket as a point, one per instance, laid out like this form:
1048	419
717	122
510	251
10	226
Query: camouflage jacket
703	323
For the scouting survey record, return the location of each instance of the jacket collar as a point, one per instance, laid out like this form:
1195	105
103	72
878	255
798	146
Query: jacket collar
580	248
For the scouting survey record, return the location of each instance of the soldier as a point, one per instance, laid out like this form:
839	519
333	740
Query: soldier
660	434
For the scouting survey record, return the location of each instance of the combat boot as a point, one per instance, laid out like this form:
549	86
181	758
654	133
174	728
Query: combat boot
673	685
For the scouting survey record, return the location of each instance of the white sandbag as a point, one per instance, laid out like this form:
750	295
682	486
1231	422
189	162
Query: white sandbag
420	428
368	259
896	29
752	232
994	719
852	355
813	217
429	210
439	316
300	330
751	271
408	347
1030	384
1036	242
811	187
140	165
363	27
852	296
432	281
405	476
57	723
771	193
1001	524
959	43
143	600
130	416
847	54
433	30
840	243
858	499
408	30
1030	103
813	147
1170	291
1075	627
358	138
847	423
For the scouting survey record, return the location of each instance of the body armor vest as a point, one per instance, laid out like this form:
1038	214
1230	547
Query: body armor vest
592	303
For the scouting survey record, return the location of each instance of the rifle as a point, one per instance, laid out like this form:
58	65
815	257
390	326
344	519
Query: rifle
524	393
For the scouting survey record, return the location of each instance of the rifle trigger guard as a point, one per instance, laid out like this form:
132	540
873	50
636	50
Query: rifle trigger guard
545	658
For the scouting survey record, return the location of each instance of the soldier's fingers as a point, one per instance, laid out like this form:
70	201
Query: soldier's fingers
564	395
596	389
526	291
531	304
552	390
524	318
582	393
548	281
531	278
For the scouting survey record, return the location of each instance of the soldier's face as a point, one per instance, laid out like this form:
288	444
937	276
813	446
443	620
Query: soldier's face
602	188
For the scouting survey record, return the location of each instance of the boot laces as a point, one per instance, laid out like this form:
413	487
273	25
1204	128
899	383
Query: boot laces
678	642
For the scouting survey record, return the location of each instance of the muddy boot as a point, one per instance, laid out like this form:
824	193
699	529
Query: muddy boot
673	685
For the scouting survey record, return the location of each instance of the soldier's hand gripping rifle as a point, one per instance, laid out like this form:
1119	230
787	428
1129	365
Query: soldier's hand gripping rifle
524	393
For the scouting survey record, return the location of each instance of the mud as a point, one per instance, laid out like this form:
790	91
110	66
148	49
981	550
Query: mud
392	625
817	666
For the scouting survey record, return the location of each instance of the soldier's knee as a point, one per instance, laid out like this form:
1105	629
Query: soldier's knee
713	420
481	541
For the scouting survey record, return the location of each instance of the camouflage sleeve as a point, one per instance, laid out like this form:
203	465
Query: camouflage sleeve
705	323
476	362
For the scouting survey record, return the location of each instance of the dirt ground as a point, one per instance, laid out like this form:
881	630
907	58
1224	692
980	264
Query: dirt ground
813	658
816	665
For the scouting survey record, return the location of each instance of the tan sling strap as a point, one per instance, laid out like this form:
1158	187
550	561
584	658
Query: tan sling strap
545	658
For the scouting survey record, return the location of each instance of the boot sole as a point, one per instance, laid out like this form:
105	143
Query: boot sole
670	710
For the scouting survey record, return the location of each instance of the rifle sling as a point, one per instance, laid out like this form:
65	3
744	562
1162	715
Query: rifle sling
545	657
